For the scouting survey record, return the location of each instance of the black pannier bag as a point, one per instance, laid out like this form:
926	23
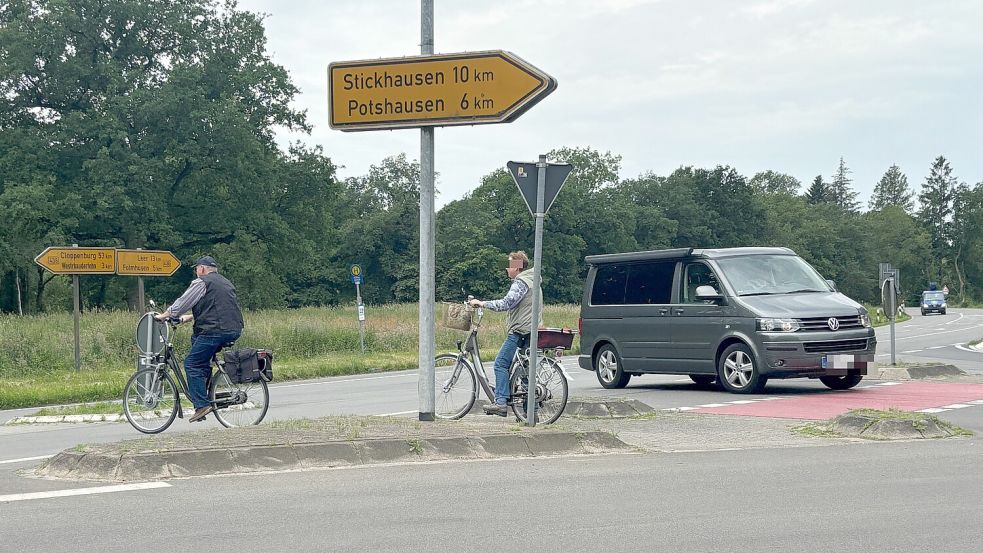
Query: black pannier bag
249	365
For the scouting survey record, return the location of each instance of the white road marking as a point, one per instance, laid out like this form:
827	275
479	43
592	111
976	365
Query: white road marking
713	405
912	351
888	384
394	414
955	406
83	491
937	347
24	460
967	348
960	317
932	410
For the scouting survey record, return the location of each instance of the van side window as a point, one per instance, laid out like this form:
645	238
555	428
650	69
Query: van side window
694	276
650	283
609	285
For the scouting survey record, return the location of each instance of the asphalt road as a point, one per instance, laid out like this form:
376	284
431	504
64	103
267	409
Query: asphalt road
925	339
935	338
859	498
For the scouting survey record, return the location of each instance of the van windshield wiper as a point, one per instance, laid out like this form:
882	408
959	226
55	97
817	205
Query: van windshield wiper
757	294
803	290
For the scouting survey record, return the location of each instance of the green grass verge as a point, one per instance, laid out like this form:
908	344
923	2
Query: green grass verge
917	420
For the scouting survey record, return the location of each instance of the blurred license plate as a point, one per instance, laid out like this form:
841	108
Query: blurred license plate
846	361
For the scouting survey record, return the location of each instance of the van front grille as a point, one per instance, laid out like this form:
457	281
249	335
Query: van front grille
836	345
813	324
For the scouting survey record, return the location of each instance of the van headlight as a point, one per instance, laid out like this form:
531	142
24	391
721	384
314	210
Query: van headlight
865	319
778	325
943	304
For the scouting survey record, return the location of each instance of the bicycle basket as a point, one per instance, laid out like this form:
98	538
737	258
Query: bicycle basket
555	338
456	316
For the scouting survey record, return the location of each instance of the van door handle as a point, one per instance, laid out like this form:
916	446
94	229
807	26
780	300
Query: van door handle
663	311
678	311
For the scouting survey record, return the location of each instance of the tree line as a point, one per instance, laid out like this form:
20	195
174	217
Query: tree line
151	123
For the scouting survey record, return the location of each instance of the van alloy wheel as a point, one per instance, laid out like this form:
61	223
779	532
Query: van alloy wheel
738	371
610	373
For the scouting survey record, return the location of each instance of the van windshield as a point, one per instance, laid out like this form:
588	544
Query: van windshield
933	296
771	274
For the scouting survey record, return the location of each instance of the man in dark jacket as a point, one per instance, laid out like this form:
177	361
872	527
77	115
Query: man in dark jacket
218	320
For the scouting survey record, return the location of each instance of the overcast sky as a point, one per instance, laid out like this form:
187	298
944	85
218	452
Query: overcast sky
786	85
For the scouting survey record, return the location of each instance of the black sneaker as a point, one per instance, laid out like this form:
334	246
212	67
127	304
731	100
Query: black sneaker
496	409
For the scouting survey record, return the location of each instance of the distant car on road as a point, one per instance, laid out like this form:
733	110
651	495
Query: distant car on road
933	301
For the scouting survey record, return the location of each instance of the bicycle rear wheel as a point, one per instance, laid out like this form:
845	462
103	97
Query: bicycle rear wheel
150	400
238	404
454	386
551	391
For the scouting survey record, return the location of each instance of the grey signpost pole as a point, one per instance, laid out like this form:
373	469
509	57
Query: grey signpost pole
427	228
77	301
893	293
141	298
537	257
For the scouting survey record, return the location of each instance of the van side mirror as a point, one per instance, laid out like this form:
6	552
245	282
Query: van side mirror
832	284
708	293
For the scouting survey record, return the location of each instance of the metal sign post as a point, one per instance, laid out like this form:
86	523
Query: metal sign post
427	231
889	302
357	280
539	198
424	92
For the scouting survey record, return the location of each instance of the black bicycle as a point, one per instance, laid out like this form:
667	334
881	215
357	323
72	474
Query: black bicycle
152	397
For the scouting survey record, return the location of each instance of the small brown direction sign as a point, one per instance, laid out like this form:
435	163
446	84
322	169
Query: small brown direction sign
423	91
146	263
78	261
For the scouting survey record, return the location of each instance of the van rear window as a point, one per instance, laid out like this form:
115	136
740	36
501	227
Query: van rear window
609	285
634	284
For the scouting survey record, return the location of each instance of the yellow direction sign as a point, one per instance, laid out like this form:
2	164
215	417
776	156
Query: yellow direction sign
78	261
423	91
146	263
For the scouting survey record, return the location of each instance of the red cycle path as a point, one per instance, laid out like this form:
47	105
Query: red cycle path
909	396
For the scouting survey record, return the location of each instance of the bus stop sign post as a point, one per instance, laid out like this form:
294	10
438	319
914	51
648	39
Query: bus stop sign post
357	280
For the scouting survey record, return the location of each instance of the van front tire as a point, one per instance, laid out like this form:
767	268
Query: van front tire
738	372
841	382
610	372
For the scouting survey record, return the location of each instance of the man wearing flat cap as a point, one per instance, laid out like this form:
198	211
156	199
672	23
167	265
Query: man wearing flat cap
218	320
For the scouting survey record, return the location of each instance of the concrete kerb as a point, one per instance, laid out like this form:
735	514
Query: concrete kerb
182	463
917	372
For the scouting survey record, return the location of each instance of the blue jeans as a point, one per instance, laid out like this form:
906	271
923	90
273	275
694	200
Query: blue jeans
198	367
504	362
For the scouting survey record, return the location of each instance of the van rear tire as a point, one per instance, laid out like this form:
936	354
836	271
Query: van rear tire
610	372
738	372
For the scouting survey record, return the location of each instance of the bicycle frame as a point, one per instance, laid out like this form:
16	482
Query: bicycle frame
168	360
471	352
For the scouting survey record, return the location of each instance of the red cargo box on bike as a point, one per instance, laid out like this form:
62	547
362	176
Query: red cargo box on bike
555	338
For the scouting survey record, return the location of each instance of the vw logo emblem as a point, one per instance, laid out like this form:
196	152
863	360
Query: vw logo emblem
833	323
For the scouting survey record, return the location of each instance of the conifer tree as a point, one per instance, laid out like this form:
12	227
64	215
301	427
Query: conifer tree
893	190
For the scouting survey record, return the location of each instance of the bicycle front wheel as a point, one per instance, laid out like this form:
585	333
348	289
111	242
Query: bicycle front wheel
455	388
551	391
150	400
238	404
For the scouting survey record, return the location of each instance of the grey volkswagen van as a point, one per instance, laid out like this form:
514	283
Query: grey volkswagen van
737	316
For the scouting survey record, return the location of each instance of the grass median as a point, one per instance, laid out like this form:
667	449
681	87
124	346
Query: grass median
37	358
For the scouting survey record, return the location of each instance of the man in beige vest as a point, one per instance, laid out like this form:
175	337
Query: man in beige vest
518	302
